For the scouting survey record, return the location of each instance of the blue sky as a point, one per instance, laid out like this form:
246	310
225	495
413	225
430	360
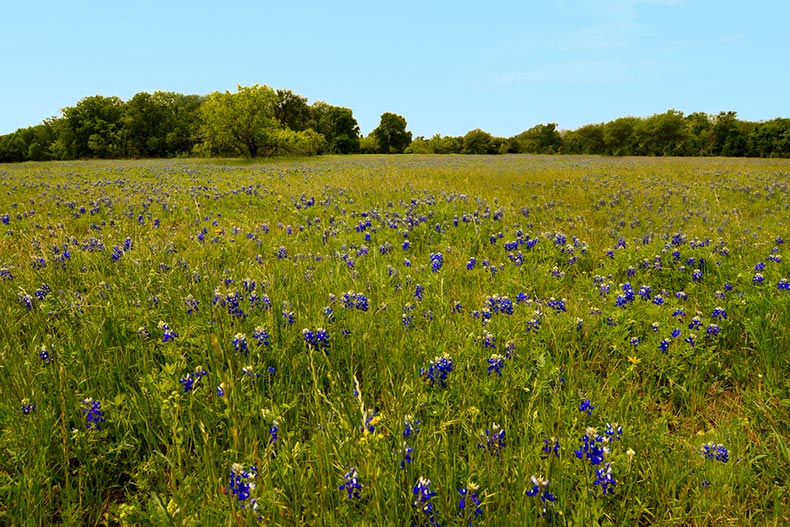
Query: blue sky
447	67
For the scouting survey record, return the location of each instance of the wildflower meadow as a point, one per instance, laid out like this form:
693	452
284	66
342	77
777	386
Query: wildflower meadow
395	340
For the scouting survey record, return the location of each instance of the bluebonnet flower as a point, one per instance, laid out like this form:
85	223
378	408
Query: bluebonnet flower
351	484
759	267
94	417
469	265
654	326
437	260
273	432
221	390
635	341
407	452
469	493
712	330
681	295
422	501
664	345
614	432
167	333
288	315
557	305
645	292
457	307
489	340
45	355
550	446
261	336
27	407
191	304
26	300
329	315
784	283
712	451
418	292
586	406
240	343
719	312
540	487
410	426
42	292
691	340
241	485
695	323
369	421
675	333
188	381
318	339
604	478
758	278
438	370
493	439
593	447
696	275
282	253
495	364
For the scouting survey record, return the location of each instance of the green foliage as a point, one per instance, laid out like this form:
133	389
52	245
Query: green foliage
242	122
391	134
338	126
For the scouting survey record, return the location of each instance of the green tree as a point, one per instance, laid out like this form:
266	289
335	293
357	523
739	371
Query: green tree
93	128
540	139
588	139
337	125
662	134
478	141
391	134
292	111
241	122
162	124
618	135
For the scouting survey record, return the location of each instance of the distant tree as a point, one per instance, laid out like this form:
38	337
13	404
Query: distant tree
619	136
292	111
241	122
478	141
588	139
540	139
661	135
700	134
337	125
391	134
162	124
446	144
770	139
729	136
419	145
93	128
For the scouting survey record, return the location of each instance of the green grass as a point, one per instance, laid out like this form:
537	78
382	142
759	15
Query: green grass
164	454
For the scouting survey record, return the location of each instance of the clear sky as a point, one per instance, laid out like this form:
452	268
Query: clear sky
447	67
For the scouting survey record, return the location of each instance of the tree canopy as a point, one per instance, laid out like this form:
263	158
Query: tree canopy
259	121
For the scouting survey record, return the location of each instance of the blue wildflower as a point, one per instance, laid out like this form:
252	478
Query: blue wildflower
493	439
241	484
27	407
495	364
351	484
712	451
240	343
604	478
94	417
586	406
438	370
261	336
167	333
550	446
469	493
422	501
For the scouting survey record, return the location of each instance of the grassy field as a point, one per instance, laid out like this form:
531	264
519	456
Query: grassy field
395	341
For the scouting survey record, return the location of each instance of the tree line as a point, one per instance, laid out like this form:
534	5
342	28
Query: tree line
257	121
